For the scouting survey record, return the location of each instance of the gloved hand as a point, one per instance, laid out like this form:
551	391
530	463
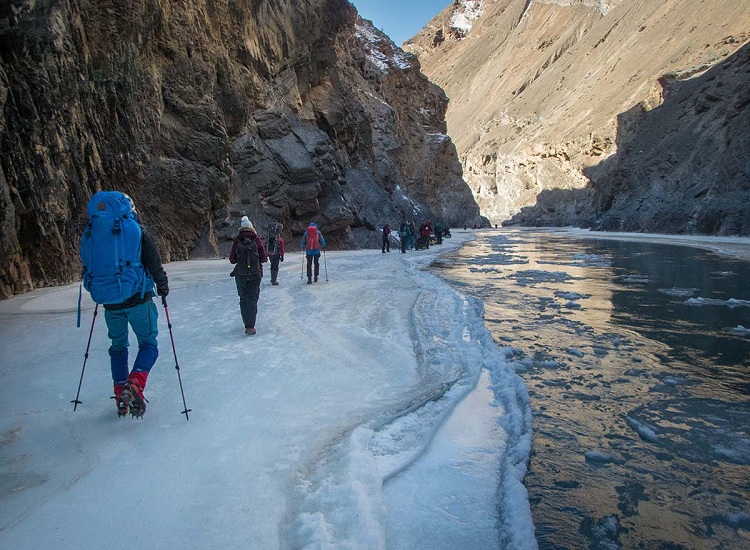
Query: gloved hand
281	258
162	290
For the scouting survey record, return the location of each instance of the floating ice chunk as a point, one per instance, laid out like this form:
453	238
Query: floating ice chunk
536	276
678	292
576	352
598	457
742	331
635	279
510	351
731	303
644	430
571	295
738	453
592	260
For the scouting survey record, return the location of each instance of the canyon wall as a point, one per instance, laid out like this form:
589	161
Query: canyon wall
622	115
207	110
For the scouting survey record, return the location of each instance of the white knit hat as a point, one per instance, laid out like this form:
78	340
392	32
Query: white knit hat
246	223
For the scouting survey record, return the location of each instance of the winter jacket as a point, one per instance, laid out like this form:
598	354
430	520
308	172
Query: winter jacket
152	265
386	231
249	234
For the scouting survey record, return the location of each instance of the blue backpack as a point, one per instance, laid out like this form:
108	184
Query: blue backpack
111	250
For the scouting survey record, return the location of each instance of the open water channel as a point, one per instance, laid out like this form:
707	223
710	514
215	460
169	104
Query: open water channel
637	360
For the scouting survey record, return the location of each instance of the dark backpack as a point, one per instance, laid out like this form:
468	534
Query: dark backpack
274	249
248	260
111	250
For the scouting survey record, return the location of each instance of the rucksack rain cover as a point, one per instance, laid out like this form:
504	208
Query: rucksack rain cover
312	238
111	250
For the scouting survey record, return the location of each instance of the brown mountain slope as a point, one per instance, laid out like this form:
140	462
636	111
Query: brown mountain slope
542	92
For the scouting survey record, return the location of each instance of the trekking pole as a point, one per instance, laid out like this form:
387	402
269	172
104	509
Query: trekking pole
76	401
325	264
176	364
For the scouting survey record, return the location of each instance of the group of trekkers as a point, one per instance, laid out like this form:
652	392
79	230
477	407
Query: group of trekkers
248	254
411	240
122	271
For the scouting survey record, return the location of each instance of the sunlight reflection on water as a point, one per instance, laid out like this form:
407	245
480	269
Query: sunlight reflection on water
637	360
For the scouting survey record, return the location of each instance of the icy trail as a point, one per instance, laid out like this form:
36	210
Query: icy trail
293	432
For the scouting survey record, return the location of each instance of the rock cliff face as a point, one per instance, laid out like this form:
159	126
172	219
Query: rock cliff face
205	110
622	115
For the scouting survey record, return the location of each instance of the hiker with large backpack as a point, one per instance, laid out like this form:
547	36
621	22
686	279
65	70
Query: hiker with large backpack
248	255
312	243
121	265
275	249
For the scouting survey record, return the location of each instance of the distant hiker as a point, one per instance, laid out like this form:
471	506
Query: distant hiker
386	236
404	233
412	244
312	243
439	233
121	264
275	249
425	230
248	254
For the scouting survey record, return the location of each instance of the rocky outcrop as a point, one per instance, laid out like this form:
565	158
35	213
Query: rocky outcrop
552	100
681	167
205	111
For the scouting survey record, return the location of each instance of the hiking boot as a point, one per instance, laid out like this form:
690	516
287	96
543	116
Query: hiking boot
274	283
309	280
251	331
132	398
316	278
122	407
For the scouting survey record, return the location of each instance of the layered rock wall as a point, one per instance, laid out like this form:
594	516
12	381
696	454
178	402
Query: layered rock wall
205	110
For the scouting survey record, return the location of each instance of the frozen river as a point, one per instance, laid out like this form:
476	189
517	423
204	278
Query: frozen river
637	360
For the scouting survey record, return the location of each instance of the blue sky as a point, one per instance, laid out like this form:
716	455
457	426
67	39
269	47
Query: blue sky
400	19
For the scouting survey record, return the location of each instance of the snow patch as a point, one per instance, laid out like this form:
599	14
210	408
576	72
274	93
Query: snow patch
465	14
376	42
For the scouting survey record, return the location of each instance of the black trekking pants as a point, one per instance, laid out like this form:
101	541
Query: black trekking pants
310	259
274	267
248	289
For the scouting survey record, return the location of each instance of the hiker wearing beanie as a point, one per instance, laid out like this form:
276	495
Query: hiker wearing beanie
248	255
312	243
